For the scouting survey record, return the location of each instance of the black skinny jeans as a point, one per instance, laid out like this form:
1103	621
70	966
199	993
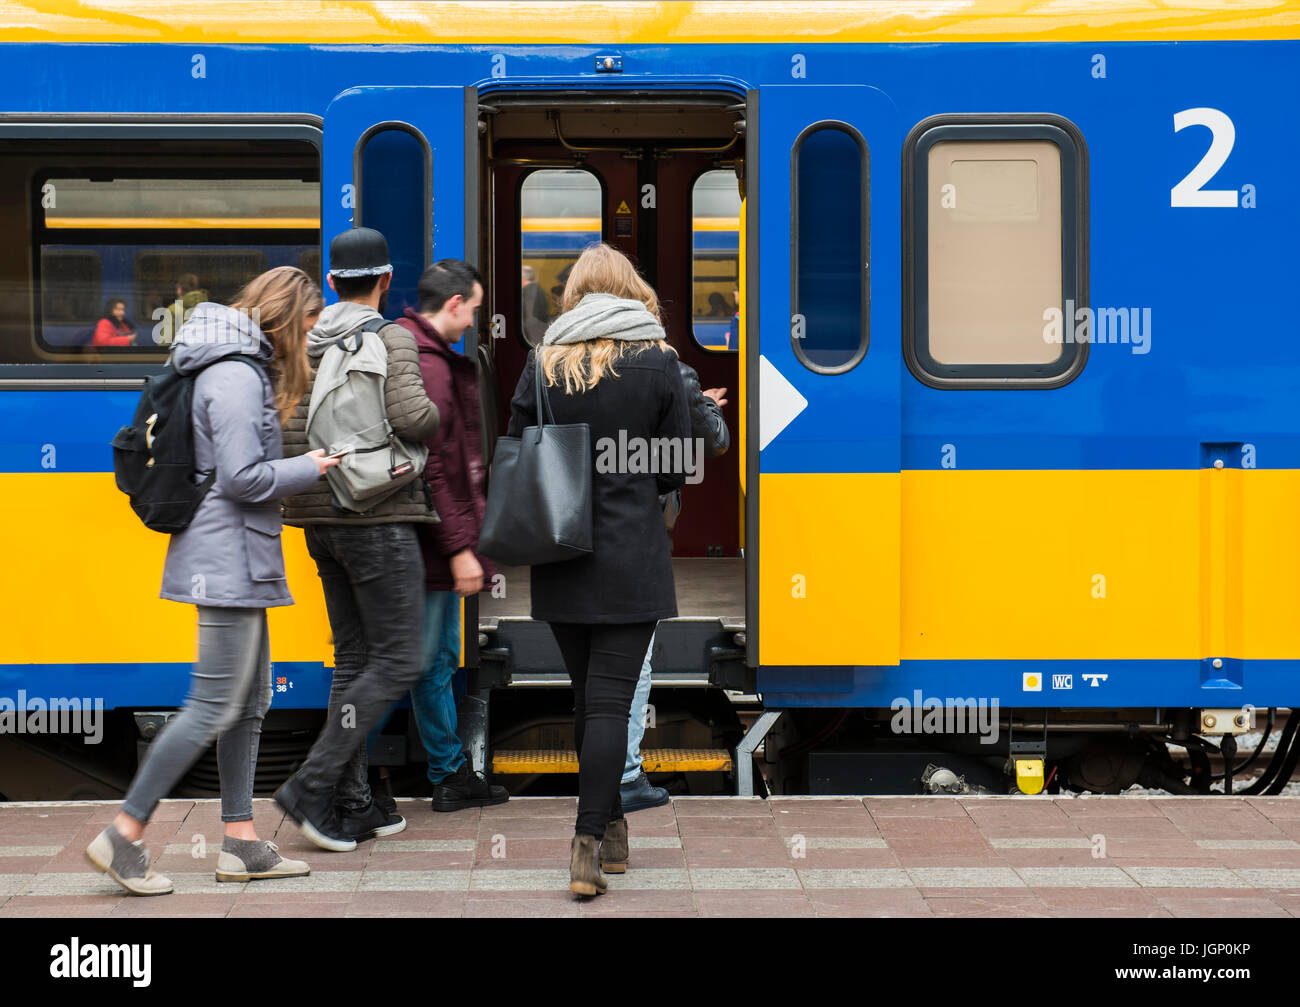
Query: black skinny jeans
373	576
604	663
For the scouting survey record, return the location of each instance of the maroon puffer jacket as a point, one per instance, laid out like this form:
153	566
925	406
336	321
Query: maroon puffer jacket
455	471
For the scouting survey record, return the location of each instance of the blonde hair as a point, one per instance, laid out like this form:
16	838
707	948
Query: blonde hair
600	269
280	301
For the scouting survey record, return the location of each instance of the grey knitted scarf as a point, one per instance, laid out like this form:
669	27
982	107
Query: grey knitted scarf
603	316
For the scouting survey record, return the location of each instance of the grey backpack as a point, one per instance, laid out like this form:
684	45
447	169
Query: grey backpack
347	411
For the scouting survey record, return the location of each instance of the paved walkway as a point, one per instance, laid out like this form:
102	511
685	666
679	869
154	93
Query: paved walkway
943	856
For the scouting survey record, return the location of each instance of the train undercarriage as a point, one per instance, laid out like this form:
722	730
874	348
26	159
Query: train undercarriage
714	738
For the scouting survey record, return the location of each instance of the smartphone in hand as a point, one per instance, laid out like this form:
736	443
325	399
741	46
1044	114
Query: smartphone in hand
345	450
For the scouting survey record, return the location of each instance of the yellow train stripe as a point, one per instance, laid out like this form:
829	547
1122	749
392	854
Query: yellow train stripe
853	569
828	568
564	224
81	582
1023	565
568	224
716	223
653	760
529	224
588	22
179	223
742	423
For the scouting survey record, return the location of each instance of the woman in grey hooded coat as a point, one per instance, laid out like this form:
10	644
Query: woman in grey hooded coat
229	564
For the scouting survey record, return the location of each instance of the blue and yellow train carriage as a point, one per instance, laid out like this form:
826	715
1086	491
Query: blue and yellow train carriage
1011	383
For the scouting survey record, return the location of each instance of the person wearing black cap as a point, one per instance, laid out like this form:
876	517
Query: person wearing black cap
370	566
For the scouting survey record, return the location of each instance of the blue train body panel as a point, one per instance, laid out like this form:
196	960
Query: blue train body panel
1220	363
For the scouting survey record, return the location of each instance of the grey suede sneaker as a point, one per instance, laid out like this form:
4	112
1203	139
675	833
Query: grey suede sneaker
253	859
127	863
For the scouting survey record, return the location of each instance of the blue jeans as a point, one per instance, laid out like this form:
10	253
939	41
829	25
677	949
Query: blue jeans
636	720
431	697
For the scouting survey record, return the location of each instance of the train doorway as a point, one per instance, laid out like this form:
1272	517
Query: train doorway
531	179
660	177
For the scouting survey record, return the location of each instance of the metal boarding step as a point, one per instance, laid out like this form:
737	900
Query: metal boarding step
653	760
687	652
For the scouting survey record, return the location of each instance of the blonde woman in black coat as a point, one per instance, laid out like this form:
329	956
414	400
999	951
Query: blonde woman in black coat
605	362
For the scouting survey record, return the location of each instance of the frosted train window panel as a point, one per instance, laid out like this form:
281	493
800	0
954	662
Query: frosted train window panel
994	246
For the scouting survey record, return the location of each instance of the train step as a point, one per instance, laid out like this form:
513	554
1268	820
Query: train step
653	760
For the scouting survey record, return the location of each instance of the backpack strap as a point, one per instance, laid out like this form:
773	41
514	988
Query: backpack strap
266	380
369	325
242	357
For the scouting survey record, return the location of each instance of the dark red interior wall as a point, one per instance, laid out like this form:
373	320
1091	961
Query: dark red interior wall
710	515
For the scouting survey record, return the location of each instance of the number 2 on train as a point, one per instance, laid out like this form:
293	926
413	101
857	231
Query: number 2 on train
1223	134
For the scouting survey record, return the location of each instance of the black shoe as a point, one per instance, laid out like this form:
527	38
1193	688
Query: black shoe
370	823
640	794
381	790
466	789
385	803
315	815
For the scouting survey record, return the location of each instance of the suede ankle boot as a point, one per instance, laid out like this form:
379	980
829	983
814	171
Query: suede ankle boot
584	867
614	849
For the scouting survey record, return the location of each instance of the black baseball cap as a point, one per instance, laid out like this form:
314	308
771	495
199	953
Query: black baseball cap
360	251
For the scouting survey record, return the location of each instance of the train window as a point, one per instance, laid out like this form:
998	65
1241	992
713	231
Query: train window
71	296
133	220
396	200
995	241
830	216
309	263
715	261
560	214
164	276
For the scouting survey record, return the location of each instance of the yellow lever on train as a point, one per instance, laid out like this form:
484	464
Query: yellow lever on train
1029	775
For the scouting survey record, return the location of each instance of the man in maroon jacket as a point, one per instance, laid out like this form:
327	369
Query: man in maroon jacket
450	292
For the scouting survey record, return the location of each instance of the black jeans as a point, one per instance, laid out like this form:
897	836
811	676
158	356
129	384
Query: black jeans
604	663
373	576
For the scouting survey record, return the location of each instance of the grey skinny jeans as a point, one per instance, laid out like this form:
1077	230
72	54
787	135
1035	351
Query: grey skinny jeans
229	695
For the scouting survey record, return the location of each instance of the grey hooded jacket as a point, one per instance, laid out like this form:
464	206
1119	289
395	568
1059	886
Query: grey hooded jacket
230	556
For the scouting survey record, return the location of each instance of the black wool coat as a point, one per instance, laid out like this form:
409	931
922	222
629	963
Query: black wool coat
628	576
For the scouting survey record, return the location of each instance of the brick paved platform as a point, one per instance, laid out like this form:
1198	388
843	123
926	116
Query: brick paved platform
940	856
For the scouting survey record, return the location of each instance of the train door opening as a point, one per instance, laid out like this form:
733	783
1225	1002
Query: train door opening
658	176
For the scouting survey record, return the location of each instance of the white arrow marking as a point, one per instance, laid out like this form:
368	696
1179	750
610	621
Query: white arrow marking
779	402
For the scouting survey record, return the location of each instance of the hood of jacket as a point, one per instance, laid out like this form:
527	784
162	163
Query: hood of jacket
215	331
603	316
337	320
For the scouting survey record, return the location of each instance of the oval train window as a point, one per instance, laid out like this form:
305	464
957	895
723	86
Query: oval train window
395	176
830	220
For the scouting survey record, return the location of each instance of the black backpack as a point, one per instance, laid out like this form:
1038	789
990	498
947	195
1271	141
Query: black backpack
153	458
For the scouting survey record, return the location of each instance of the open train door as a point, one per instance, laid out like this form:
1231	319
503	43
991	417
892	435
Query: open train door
822	444
404	160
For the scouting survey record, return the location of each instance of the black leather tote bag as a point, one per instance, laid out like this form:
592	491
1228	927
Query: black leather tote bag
539	497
